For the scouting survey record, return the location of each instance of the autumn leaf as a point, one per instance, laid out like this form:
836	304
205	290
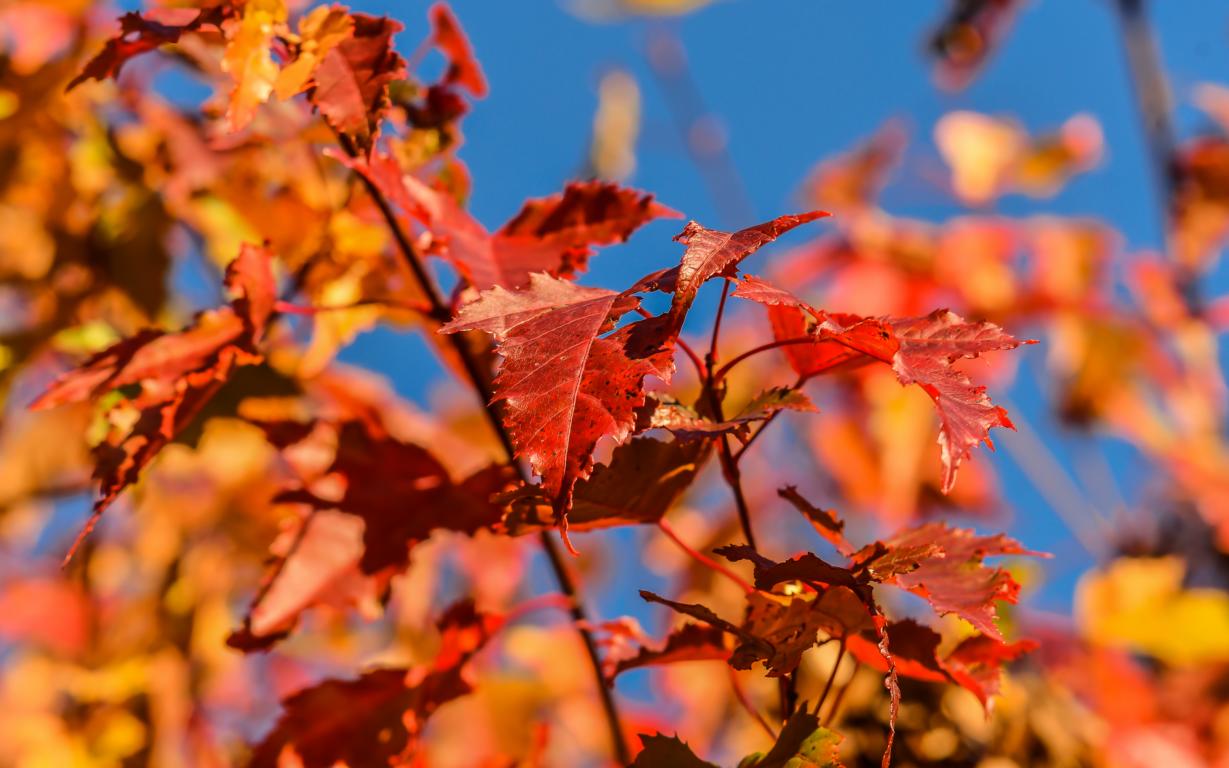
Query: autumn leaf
974	664
555	234
777	631
317	564
351	80
448	37
710	253
249	59
838	340
667	752
853	181
178	374
402	493
563	385
802	743
920	350
825	522
953	579
928	347
991	156
690	642
319	32
141	33
378	717
641	482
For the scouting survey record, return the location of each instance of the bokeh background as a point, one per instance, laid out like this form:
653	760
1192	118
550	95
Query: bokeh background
725	110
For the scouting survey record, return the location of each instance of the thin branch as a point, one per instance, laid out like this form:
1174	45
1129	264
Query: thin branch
712	344
729	470
724	370
703	559
840	696
741	695
1152	97
840	656
473	369
701	368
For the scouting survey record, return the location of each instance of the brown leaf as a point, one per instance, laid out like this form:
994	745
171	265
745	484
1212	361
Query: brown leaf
825	522
690	642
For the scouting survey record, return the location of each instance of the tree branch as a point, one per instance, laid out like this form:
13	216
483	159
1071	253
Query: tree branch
1152	97
440	312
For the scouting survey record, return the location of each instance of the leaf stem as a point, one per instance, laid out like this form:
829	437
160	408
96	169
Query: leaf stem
703	559
724	370
840	656
729	467
701	368
840	696
729	470
440	312
1152	96
741	696
712	345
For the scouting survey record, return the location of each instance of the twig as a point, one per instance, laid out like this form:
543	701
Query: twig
734	479
724	370
712	344
1152	97
840	696
703	559
442	314
741	695
840	656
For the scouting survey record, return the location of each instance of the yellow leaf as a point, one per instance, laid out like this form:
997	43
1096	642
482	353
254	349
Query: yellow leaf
1140	604
249	60
615	127
319	31
980	150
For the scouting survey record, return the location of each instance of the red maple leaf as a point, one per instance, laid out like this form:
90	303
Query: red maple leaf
403	493
563	384
178	374
690	642
709	253
317	564
947	570
554	234
921	351
378	717
351	81
463	68
141	33
928	347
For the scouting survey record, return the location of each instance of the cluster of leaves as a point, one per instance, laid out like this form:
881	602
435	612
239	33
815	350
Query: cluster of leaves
320	182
